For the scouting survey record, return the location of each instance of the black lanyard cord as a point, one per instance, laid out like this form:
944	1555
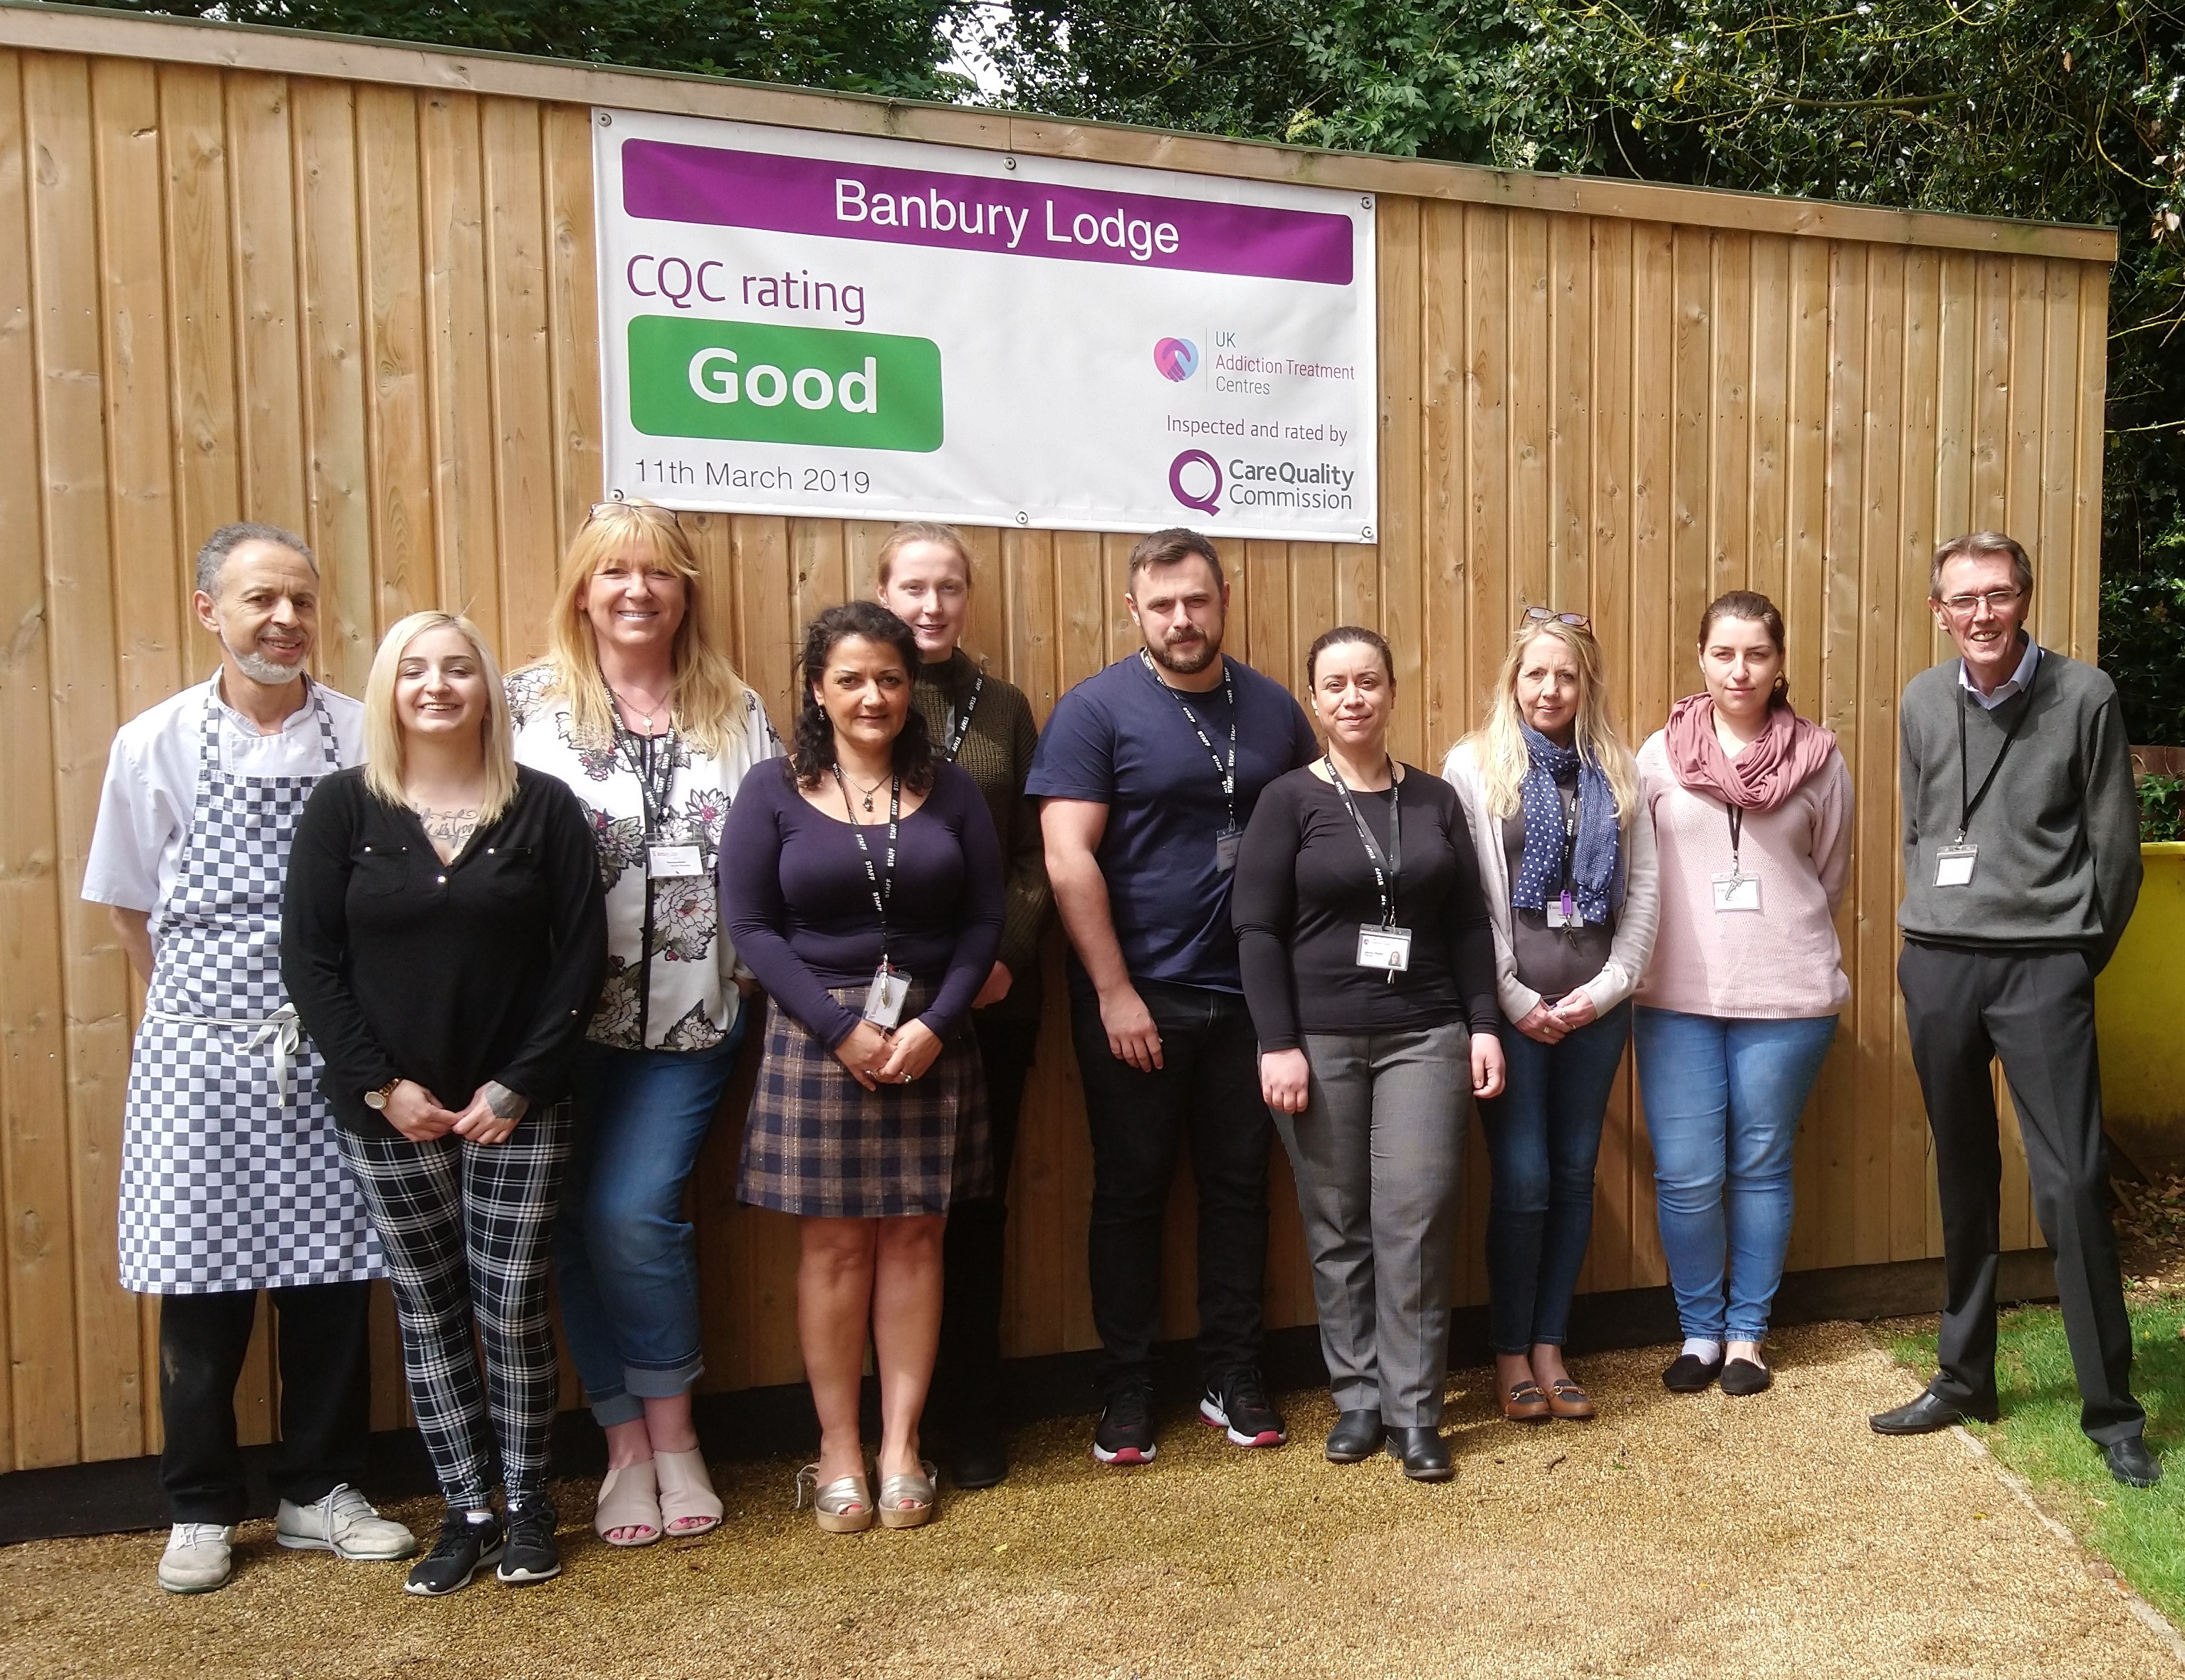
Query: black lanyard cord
1227	773
961	732
1387	865
882	886
1736	835
1970	802
654	768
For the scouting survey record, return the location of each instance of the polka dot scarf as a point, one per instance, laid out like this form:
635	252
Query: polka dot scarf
1539	876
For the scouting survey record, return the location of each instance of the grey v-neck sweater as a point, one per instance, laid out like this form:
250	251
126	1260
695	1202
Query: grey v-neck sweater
2059	833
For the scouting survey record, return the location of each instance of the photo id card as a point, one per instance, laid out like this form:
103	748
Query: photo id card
884	998
1953	865
1224	851
1384	950
1736	892
669	862
1562	913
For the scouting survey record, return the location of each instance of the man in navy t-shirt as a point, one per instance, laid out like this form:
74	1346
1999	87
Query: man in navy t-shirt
1148	773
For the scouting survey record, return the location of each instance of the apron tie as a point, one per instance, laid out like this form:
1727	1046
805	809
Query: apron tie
279	1034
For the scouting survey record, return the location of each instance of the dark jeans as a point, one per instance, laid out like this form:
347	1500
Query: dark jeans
2036	1010
1543	1143
326	1395
1206	1091
968	1377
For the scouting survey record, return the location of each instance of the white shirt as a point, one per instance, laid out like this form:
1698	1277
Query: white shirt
152	782
2013	683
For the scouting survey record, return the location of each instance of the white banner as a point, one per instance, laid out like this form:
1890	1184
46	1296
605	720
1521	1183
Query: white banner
822	324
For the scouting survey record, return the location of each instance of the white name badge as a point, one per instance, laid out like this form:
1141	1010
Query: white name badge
1953	865
1384	950
1563	913
1736	892
1224	851
667	863
885	996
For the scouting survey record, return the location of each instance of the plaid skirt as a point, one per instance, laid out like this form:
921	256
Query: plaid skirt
819	1143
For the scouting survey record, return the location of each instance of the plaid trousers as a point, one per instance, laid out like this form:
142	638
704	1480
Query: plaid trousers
464	1228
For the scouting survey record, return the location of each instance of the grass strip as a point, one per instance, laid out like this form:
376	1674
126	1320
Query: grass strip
2140	1532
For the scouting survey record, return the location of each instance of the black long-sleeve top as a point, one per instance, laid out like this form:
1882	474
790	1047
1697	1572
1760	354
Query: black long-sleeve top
1304	887
451	974
796	899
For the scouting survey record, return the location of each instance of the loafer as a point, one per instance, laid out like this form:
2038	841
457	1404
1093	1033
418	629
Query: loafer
1526	1402
2132	1464
1746	1376
1567	1400
1355	1437
1422	1453
1927	1415
198	1557
1689	1374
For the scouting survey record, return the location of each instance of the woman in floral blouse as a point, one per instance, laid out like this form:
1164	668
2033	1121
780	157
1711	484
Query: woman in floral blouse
636	710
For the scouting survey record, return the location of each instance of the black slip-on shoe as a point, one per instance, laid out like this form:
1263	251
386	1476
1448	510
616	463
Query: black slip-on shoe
1689	1374
1746	1376
465	1546
1927	1415
1422	1453
2132	1464
1356	1437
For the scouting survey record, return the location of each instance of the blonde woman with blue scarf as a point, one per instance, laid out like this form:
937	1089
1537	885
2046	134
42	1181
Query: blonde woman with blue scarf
1566	851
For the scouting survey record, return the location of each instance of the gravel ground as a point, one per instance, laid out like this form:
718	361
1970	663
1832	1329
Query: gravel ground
1672	1538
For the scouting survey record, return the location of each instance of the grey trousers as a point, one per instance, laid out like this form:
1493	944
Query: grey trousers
1377	1154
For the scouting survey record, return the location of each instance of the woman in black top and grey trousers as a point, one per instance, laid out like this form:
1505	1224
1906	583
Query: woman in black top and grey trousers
443	939
1369	968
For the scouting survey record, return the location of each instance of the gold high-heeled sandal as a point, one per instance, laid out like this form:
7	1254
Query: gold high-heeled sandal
906	1500
843	1506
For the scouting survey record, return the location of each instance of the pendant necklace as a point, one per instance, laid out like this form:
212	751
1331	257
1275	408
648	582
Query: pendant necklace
867	792
648	713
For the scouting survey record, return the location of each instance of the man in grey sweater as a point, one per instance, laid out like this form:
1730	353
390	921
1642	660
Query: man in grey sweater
2021	866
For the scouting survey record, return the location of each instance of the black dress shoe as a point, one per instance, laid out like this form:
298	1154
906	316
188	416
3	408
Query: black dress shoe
979	1460
1356	1436
1927	1415
1424	1454
2132	1464
1745	1376
1689	1374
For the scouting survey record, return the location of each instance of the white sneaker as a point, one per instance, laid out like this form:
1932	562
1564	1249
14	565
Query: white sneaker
344	1523
197	1558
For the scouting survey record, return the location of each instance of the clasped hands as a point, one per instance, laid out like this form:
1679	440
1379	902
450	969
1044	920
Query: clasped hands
419	1115
1550	1023
877	1058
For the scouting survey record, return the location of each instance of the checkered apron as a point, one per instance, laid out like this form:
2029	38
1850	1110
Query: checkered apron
231	1178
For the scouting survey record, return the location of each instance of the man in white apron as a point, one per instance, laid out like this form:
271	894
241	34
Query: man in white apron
230	1181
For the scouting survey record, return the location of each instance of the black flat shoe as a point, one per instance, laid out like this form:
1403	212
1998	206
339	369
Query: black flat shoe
1744	1376
1927	1415
2132	1464
978	1461
1422	1453
1689	1374
1356	1436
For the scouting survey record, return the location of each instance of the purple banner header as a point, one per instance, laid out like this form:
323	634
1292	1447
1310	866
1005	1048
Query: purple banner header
667	182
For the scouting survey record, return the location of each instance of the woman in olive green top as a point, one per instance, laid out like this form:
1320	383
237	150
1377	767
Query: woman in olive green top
984	725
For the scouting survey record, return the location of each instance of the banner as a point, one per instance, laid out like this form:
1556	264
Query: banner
805	323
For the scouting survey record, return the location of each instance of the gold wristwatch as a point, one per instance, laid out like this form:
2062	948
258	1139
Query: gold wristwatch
377	1099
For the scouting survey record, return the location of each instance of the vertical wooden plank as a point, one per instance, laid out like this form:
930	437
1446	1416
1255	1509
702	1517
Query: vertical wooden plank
1658	514
1766	489
1270	644
1427	592
1493	578
2086	482
861	546
269	373
1729	446
986	628
1985	509
1569	389
760	568
458	361
1029	647
2058	510
1313	605
1692	577
2029	312
1955	425
573	313
1526	327
400	433
818	568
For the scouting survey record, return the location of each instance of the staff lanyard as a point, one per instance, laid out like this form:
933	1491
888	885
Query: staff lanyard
882	886
1388	865
653	764
1570	835
1968	803
1736	834
1227	773
957	735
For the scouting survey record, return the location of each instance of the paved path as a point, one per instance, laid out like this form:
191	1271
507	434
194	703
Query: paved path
1775	1536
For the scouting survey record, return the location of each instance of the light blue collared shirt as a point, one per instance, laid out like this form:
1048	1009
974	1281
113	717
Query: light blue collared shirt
2013	683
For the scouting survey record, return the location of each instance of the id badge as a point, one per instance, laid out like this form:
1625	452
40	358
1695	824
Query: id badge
1384	950
670	862
1953	865
884	998
1224	851
1562	913
1736	892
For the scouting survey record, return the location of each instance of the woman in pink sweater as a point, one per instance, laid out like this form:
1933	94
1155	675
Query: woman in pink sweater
1751	809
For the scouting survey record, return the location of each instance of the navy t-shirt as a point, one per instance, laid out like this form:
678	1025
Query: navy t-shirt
1120	739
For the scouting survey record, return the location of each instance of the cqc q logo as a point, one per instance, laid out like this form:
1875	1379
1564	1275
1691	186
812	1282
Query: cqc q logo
767	384
1194	479
1177	358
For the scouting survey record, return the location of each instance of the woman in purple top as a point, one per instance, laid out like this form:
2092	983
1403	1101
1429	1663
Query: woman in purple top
863	885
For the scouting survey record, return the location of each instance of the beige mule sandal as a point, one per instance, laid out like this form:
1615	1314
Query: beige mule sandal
686	1494
630	1498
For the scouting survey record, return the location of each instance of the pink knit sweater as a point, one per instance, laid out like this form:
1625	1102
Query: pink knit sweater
1781	963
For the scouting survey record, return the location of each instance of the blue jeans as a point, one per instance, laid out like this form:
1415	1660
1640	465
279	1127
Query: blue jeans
625	1259
1723	1100
1543	1141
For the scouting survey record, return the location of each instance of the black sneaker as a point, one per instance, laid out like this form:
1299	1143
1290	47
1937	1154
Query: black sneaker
467	1544
1238	1406
531	1554
1125	1434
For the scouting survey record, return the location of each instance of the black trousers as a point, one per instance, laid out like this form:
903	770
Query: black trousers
2035	1009
1207	1092
967	1380
326	1395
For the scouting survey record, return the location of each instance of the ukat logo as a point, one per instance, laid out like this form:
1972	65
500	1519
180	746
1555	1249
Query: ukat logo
1208	501
1177	358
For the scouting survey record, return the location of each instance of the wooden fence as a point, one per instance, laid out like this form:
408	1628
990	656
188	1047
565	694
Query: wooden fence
349	288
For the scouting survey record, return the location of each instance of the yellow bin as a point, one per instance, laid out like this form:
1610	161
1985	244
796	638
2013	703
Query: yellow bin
2139	1010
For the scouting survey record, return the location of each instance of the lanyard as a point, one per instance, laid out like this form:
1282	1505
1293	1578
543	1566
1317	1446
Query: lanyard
963	728
653	764
1970	802
1570	833
882	887
1736	833
1227	773
1388	866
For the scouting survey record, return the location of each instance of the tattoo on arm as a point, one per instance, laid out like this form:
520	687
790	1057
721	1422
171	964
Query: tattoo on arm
507	1104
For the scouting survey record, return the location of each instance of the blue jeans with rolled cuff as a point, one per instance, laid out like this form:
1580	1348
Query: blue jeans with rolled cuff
625	1260
1722	1099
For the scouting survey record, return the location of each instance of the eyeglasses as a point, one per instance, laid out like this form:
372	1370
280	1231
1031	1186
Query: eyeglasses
1997	601
1541	615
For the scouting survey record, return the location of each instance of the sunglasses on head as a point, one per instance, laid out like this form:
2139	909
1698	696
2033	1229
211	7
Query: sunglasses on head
599	510
1541	615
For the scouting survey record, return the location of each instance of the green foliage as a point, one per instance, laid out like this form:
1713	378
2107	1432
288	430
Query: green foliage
2161	808
890	47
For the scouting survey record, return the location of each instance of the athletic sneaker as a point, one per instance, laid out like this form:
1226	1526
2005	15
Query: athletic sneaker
1238	1406
531	1554
342	1521
197	1557
468	1542
1125	1434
